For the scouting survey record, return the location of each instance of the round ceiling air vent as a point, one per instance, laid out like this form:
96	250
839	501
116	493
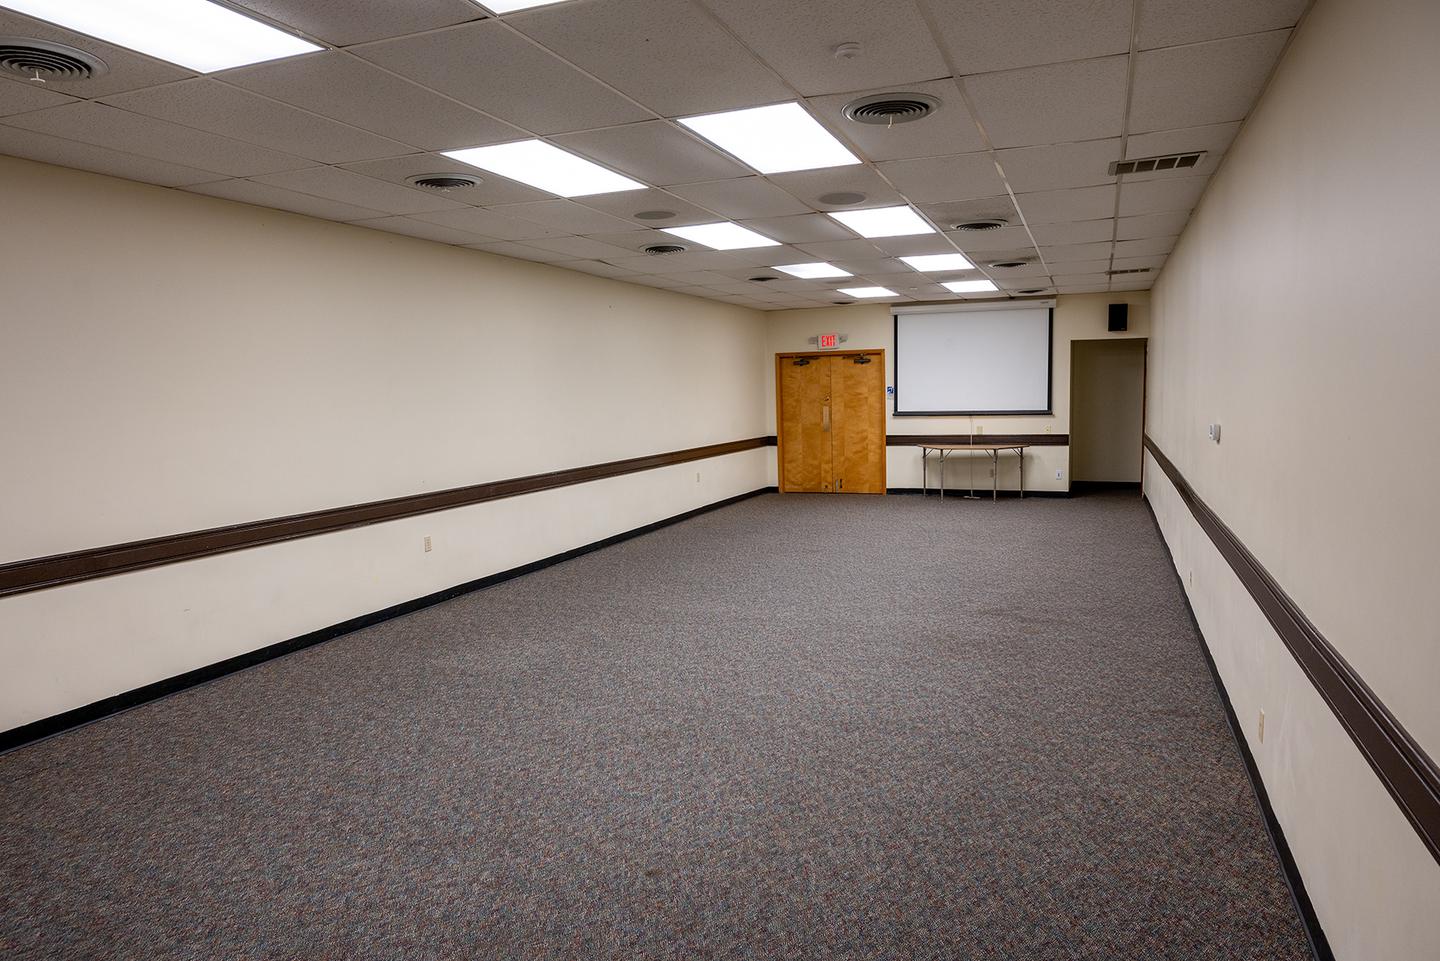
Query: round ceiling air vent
763	280
660	250
888	109
842	198
980	225
1008	264
443	182
655	215
41	61
1031	290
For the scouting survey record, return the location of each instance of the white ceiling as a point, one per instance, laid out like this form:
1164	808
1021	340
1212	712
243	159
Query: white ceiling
1037	97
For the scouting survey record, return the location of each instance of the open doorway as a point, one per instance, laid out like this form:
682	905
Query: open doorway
1107	412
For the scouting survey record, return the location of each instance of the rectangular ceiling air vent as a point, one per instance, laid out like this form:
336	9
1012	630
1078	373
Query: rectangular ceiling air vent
1174	161
1131	270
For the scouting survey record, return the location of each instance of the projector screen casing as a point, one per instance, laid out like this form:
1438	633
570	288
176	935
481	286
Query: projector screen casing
1024	354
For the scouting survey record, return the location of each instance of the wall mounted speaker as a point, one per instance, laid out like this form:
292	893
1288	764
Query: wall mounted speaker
1119	317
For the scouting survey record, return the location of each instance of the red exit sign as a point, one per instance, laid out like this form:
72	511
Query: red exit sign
829	341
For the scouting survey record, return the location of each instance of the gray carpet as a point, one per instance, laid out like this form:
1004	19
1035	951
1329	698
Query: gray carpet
798	727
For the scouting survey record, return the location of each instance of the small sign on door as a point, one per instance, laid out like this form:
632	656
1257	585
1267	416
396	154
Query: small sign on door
828	341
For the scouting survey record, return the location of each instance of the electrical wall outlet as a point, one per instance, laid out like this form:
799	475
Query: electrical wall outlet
1048	428
1059	475
697	477
1262	725
427	543
1214	433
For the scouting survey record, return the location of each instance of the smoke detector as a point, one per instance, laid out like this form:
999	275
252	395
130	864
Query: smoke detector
442	183
980	225
41	61
888	109
662	250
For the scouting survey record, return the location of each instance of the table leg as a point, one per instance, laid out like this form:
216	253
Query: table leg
1021	452
942	475
995	475
924	468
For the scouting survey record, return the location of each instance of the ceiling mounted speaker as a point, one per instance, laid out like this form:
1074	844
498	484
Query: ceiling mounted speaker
442	182
661	250
655	215
41	62
888	109
842	198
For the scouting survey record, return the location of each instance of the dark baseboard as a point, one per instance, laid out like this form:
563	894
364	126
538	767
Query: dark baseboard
64	721
1319	943
1081	487
958	493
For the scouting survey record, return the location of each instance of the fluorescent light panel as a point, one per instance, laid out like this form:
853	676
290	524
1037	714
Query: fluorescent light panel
939	262
868	292
773	139
813	271
883	221
543	165
969	286
197	34
723	236
509	6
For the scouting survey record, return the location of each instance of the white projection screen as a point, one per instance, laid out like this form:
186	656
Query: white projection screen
980	360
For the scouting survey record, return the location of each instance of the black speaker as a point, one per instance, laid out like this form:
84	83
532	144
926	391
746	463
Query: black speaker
1119	317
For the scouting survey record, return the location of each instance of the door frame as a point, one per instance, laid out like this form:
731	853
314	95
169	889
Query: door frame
780	358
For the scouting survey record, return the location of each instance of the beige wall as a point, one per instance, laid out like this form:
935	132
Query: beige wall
1107	409
173	362
1077	317
1312	340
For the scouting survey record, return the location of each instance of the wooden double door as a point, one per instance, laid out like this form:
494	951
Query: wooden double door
831	410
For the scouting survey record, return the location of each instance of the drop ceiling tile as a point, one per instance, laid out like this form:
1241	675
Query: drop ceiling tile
16	96
103	126
656	152
1024	283
421	230
1216	138
508	248
987	35
770	256
798	38
1028	273
950	130
1084	287
1098	281
563	215
209	105
335	84
868	267
803	228
485	65
833	250
745	197
1056	166
1204	83
631	240
663	281
1143	284
490	190
915	246
583	248
1074	203
707	278
626	203
810	185
1152	261
1073	267
985	241
679	263
1152	225
1069	252
343	22
599	269
1160	196
1051	104
128	70
1074	232
101	160
264	195
946	215
334	183
938	179
1146	247
1167	23
490	225
669	56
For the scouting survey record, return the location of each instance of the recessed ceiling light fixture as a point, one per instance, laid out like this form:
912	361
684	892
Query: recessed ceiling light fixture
546	166
722	236
883	221
198	34
510	6
969	286
813	271
936	263
773	139
868	292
